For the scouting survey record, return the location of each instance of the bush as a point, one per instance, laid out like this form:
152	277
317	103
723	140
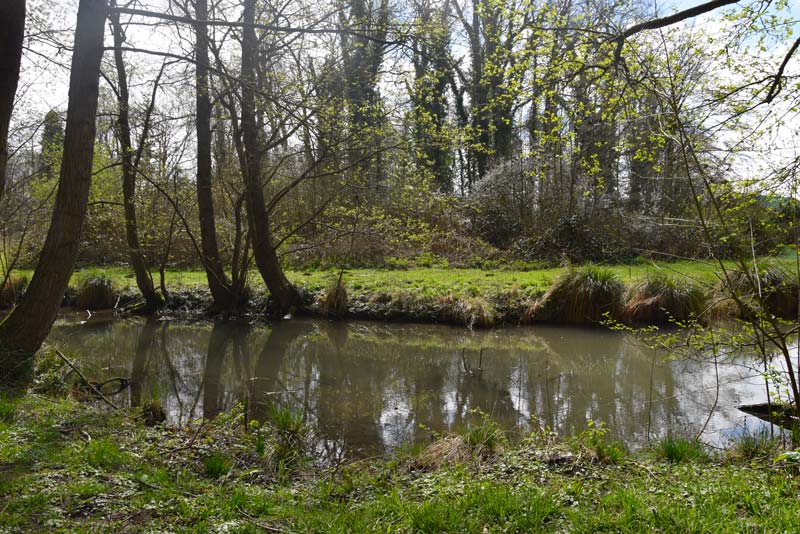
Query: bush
659	299
95	291
579	296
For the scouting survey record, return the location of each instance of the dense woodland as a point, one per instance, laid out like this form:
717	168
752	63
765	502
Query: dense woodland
249	135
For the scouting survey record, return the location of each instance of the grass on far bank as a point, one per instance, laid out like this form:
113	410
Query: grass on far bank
433	281
70	467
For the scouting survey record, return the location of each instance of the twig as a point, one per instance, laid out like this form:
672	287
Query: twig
259	524
85	380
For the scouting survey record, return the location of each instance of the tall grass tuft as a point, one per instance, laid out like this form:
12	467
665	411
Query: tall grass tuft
659	299
334	301
216	464
469	311
579	296
680	450
11	289
752	446
95	291
286	445
778	293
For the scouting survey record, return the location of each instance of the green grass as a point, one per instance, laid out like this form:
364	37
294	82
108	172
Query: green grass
678	449
69	467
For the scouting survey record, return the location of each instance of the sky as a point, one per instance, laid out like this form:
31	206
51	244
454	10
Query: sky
45	76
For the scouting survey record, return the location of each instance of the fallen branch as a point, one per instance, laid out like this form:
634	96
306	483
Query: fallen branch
85	380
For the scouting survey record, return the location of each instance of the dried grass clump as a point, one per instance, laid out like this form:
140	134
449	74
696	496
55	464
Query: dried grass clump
778	288
11	290
660	299
334	301
447	451
469	311
96	292
579	296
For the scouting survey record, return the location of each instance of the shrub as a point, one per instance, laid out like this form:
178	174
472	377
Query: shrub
659	299
95	291
678	450
579	296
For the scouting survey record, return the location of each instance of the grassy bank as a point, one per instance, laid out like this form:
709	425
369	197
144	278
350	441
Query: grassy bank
69	467
641	292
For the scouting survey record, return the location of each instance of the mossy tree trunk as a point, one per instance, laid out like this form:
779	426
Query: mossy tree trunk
24	330
12	32
130	162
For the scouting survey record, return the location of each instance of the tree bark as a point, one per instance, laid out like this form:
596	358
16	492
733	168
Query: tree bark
137	260
212	262
284	295
23	332
12	13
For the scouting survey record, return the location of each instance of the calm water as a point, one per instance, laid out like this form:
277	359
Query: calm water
371	387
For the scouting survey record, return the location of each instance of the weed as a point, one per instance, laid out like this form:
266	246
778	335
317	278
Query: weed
595	438
104	453
216	464
752	446
8	409
679	450
483	435
286	444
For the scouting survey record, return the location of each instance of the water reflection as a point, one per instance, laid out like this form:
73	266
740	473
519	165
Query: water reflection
373	387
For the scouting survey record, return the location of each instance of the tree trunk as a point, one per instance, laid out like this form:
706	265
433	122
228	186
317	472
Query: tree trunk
284	295
23	332
217	279
138	263
12	13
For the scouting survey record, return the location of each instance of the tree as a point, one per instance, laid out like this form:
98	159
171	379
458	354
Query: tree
12	13
284	295
221	290
130	163
24	330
